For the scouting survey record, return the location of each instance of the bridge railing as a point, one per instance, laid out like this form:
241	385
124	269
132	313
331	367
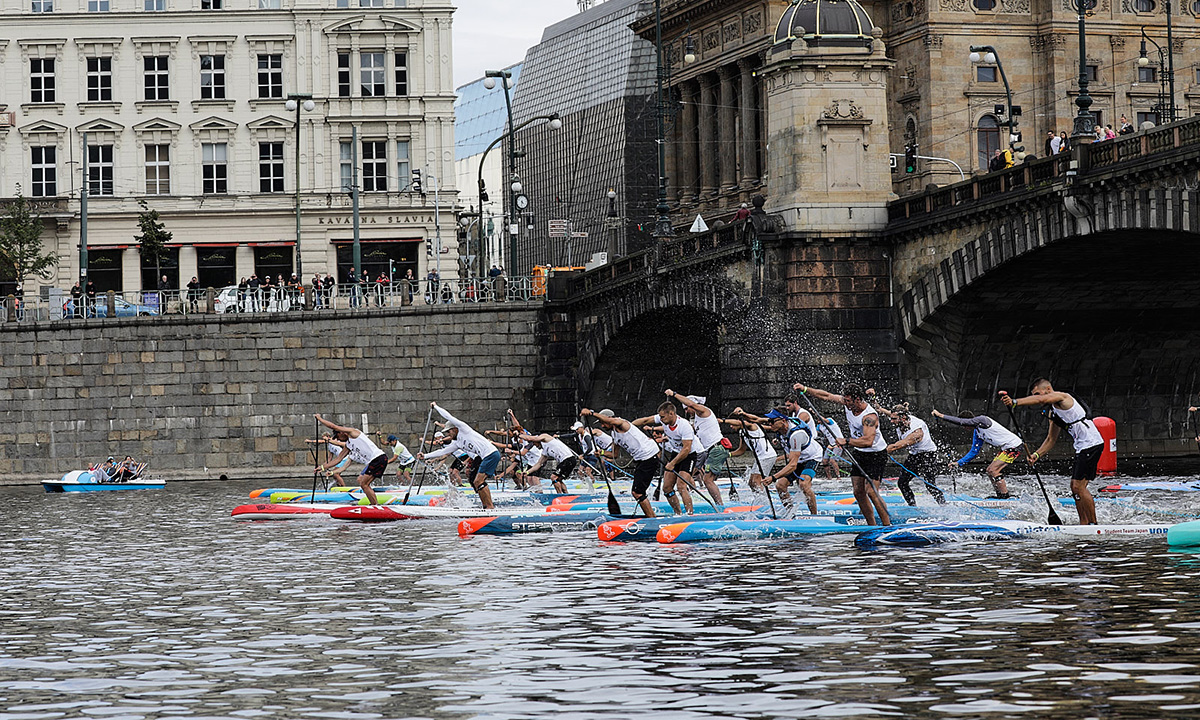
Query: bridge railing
1030	174
689	248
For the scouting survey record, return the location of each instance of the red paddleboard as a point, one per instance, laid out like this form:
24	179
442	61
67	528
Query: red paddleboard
370	513
269	511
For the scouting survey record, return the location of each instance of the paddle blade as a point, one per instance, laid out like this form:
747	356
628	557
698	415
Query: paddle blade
614	508
1054	519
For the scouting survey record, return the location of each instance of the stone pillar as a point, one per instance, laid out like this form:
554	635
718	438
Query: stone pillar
707	112
749	118
727	130
689	186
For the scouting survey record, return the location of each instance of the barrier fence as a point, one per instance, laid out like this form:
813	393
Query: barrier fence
271	301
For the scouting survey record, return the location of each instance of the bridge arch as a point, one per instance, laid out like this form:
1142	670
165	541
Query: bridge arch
1111	316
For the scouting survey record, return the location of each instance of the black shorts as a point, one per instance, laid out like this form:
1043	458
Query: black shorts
457	464
643	474
685	465
871	463
565	468
1086	461
925	465
377	467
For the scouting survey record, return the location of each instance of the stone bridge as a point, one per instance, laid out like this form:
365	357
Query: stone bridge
1082	267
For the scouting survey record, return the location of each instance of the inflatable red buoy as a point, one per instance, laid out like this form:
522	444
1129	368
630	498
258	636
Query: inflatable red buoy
1108	457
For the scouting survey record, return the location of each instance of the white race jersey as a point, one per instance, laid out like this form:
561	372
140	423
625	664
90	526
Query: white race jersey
531	456
362	450
636	443
999	436
708	430
1083	431
856	429
468	441
679	432
925	444
557	450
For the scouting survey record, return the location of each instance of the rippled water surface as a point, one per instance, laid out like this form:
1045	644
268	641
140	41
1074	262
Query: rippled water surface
157	604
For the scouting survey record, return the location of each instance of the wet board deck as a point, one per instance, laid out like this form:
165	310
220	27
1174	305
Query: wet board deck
921	534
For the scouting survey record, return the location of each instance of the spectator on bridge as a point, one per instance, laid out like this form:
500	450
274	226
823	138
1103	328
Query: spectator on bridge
1056	144
381	287
254	291
90	303
743	212
1050	138
193	288
1109	133
1127	127
431	287
77	300
295	290
997	162
1066	142
409	285
243	288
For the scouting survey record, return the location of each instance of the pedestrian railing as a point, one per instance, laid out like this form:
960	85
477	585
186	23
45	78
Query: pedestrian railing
270	301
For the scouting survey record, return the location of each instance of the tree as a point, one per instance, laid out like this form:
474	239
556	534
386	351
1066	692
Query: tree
21	242
153	239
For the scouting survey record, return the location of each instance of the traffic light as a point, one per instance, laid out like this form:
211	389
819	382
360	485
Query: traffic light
416	182
910	158
483	194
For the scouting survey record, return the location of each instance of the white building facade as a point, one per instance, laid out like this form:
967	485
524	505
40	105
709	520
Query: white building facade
183	103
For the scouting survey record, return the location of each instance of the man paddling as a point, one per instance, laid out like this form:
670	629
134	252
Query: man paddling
464	439
987	431
866	446
405	460
707	426
683	445
1064	412
922	463
554	449
829	430
642	449
360	449
802	454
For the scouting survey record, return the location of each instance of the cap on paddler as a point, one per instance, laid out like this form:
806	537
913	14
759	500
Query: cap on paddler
577	425
607	413
392	438
774	414
698	399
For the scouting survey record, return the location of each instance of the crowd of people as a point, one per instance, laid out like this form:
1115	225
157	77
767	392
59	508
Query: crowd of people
687	446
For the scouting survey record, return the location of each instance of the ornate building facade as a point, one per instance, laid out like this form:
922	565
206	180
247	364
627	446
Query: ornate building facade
183	103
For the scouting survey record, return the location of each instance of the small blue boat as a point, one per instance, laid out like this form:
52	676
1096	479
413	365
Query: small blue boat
95	480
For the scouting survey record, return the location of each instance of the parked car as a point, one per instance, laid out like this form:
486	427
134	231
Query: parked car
122	307
227	301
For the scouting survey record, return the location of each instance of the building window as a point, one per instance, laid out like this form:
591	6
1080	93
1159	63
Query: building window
985	5
155	68
99	79
215	171
100	169
983	73
155	5
1147	74
403	165
270	167
270	76
43	6
362	3
41	80
401	74
374	166
1143	6
212	77
1146	117
347	166
269	5
343	75
212	4
45	170
98	5
370	69
1093	73
988	140
158	169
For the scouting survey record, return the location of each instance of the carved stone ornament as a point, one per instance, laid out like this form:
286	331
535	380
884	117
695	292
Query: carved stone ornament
712	40
954	5
751	23
1117	42
1015	6
842	110
933	42
731	31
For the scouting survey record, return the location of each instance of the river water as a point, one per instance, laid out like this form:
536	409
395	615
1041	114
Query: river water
158	605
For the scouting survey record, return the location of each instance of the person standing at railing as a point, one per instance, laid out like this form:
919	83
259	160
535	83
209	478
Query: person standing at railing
432	281
410	286
253	290
241	294
381	287
193	288
327	286
76	300
90	302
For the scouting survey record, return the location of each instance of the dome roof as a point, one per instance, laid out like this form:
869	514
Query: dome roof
826	23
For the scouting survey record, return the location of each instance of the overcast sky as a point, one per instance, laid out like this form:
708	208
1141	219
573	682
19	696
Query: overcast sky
492	34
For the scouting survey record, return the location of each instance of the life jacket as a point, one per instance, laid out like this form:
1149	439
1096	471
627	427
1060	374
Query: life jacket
1049	414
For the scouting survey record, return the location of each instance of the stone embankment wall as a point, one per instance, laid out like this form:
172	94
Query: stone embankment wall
206	396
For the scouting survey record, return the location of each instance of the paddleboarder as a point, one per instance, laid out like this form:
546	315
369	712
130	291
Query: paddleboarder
1064	412
360	449
641	448
802	453
333	448
405	460
554	449
866	446
711	460
987	431
912	433
828	430
682	445
754	441
464	439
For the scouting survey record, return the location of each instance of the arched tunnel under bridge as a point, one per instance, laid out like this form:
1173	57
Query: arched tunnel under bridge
1113	318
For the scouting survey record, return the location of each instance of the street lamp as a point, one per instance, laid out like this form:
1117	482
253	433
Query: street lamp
662	224
489	82
296	101
1166	68
612	222
987	55
1084	130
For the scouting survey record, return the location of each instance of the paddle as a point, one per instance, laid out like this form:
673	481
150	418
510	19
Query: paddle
424	465
316	459
1053	518
931	486
614	508
849	452
758	462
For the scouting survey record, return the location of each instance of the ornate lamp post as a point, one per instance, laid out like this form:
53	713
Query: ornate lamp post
988	55
296	101
1084	131
1166	68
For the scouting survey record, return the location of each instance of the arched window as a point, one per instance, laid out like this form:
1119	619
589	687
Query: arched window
910	130
987	139
1143	6
986	5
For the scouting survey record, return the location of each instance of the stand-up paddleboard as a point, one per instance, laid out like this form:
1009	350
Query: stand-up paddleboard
921	534
644	529
387	513
706	530
1184	534
546	522
290	511
1193	486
